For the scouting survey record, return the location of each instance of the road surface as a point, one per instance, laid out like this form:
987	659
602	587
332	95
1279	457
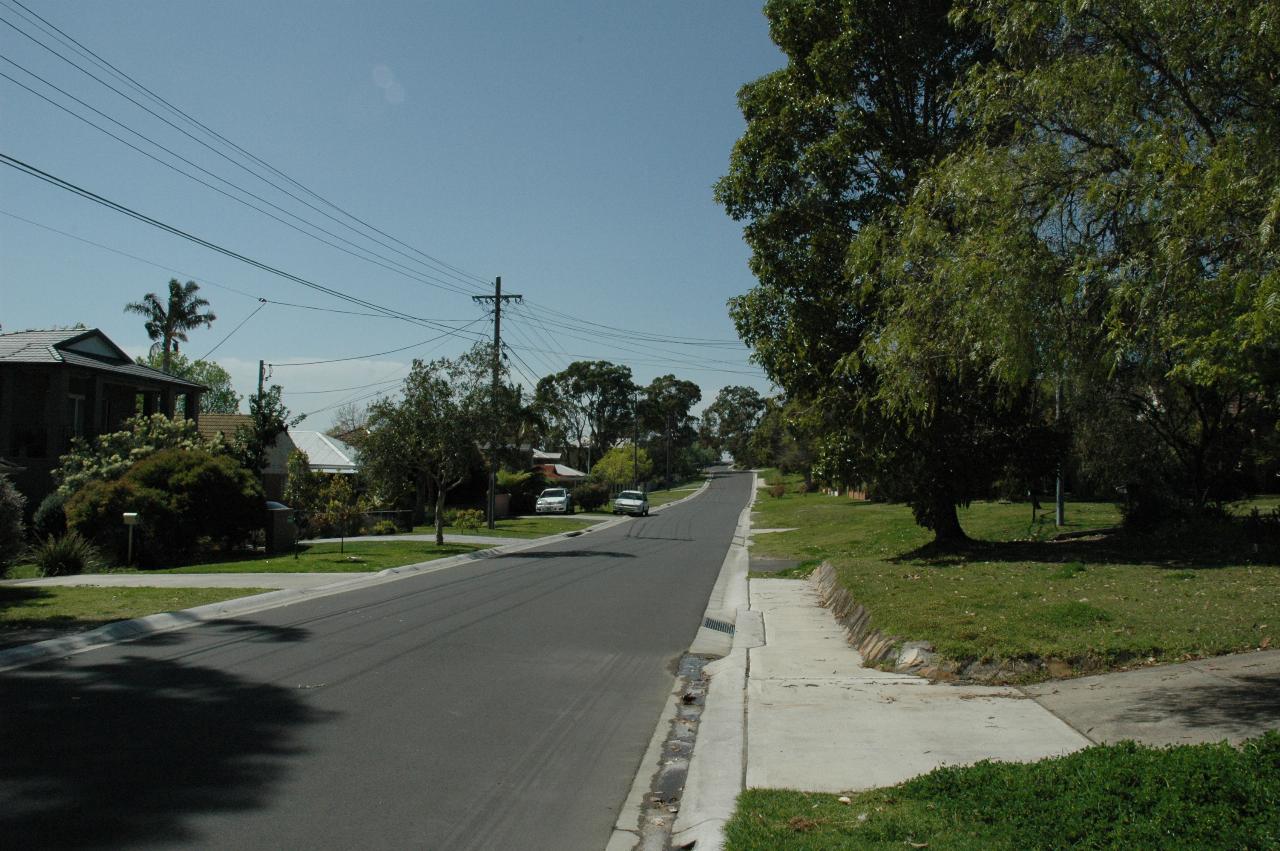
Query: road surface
502	704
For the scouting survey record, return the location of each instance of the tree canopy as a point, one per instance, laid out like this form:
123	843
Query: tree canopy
168	321
220	398
432	437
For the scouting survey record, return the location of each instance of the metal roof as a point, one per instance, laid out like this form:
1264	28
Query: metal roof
325	454
86	348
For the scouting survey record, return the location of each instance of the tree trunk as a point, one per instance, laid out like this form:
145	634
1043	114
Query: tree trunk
419	502
439	515
946	522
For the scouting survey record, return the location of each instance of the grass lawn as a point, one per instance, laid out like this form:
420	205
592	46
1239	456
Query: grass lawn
1098	600
676	491
356	557
36	613
1119	796
517	527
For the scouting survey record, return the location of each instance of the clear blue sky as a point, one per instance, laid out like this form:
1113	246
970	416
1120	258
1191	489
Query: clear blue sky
569	147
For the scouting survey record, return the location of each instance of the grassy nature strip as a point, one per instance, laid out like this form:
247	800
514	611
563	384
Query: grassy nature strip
1114	796
517	527
73	609
351	557
1095	602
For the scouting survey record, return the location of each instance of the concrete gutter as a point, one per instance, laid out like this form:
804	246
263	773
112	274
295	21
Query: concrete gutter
717	768
122	631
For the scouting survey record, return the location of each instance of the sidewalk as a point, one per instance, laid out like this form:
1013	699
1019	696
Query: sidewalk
791	706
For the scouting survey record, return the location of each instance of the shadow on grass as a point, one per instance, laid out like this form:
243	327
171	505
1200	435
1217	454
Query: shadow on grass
1188	546
1246	708
25	630
125	752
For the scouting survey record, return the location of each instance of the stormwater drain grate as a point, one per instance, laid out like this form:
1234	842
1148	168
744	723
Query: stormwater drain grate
719	626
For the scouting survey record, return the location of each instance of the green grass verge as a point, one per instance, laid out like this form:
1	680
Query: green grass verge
354	557
34	613
517	527
677	491
1097	601
1117	796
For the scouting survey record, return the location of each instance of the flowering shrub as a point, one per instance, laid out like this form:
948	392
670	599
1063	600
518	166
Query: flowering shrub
109	456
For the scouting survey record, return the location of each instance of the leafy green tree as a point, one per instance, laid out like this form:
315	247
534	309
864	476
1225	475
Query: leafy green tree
302	492
220	398
12	506
730	420
338	508
167	322
837	143
1110	230
269	419
665	409
588	401
431	437
623	465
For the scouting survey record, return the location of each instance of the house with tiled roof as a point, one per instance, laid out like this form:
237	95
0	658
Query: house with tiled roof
56	385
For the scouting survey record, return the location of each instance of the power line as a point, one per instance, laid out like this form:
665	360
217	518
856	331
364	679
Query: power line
377	354
443	267
338	389
262	302
201	142
381	261
51	179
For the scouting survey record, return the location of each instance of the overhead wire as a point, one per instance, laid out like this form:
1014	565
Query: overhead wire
473	281
373	354
473	286
382	261
32	171
88	53
262	302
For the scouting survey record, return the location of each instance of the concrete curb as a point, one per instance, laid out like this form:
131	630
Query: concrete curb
717	768
129	630
626	836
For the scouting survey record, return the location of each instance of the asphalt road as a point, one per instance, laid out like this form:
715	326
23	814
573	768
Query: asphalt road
503	704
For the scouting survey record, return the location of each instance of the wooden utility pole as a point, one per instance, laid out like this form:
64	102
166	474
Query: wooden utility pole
497	298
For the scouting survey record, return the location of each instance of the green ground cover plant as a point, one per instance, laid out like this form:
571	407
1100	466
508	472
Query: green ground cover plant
355	557
35	613
1113	796
1096	598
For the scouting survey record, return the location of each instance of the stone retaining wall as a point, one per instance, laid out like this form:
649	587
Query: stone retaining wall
912	657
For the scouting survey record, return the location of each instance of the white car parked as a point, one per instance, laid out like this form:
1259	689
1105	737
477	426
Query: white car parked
554	501
631	502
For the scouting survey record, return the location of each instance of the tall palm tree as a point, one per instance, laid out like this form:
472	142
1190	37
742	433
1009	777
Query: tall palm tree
169	323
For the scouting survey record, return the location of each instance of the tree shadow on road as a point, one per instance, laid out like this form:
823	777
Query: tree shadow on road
565	554
123	752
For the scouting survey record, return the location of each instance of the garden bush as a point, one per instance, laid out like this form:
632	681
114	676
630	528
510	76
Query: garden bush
591	495
384	527
468	519
50	519
66	555
12	506
185	500
523	488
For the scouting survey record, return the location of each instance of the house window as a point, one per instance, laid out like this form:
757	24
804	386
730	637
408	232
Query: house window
75	414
